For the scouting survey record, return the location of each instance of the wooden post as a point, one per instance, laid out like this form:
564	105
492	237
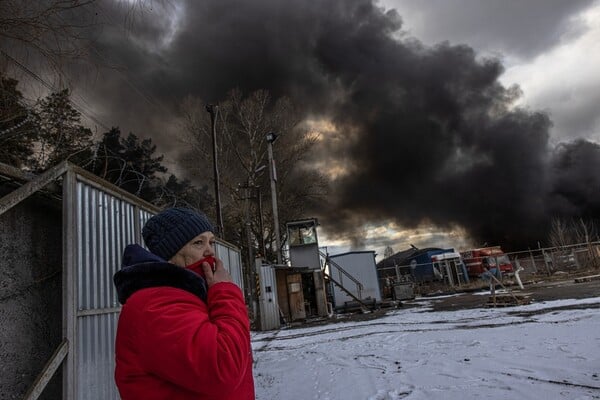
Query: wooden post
532	261
48	371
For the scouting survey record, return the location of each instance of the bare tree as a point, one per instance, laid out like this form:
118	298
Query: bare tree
584	230
47	35
60	134
51	30
388	252
560	235
564	232
243	122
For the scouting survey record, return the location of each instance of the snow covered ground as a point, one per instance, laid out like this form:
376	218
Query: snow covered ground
545	351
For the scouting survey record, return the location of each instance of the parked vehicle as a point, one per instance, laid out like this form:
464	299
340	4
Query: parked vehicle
478	261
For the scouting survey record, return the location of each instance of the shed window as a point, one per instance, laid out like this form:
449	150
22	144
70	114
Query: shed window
302	234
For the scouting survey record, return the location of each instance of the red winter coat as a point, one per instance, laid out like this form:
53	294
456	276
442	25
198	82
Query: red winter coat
173	345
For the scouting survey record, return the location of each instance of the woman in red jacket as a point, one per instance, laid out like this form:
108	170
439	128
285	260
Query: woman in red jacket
183	331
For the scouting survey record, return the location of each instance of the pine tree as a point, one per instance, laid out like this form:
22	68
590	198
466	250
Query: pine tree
16	125
176	192
388	252
129	163
132	164
61	135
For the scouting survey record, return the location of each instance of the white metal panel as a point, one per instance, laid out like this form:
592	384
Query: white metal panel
361	265
268	304
231	258
95	356
71	240
104	225
144	217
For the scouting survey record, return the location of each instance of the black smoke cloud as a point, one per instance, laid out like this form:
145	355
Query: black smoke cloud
575	179
429	134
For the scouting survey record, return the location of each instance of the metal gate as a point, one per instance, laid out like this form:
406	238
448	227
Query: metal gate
98	225
98	221
267	296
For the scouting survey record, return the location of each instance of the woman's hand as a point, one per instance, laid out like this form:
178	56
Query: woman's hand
219	275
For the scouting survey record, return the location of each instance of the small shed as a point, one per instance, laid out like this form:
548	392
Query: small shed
361	266
289	294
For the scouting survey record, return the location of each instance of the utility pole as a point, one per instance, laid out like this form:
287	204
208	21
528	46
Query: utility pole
261	241
271	137
213	110
260	222
251	273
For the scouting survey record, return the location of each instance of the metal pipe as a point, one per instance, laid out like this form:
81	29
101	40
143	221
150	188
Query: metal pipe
518	278
260	223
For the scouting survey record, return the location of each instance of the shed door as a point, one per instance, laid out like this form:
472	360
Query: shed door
294	284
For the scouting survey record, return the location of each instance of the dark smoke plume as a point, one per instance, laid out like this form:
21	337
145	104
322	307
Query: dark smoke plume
428	134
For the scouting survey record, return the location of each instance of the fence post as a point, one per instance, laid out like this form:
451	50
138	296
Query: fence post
532	260
545	261
591	254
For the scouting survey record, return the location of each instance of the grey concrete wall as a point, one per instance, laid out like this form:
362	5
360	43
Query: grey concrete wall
30	294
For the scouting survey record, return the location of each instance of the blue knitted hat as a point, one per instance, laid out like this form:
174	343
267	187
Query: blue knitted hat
167	232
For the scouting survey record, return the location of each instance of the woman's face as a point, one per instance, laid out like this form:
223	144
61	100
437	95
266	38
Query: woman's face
199	247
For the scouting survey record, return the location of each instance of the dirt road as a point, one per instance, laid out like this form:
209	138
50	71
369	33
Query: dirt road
541	290
536	292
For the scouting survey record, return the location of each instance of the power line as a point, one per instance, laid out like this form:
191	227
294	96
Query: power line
146	96
49	86
17	126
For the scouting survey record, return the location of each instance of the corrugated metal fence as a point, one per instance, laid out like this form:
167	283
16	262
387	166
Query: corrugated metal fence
103	226
232	259
99	223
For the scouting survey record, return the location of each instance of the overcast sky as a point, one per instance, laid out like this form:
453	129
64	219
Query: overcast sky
550	48
448	122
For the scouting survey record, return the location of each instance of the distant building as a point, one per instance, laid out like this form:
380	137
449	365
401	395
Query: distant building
357	266
423	265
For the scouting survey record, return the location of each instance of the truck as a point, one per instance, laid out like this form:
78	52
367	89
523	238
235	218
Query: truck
483	259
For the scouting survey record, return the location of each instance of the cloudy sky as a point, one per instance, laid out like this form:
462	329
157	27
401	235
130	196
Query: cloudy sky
449	123
551	49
